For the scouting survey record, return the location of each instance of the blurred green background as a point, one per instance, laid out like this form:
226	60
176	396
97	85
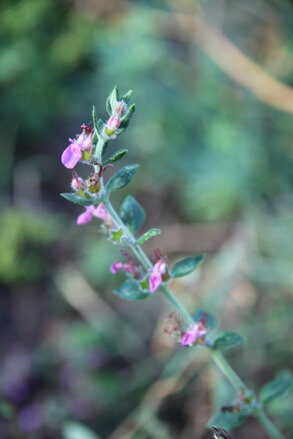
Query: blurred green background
216	176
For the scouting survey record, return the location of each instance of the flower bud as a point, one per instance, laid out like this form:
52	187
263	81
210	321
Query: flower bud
77	183
114	121
93	184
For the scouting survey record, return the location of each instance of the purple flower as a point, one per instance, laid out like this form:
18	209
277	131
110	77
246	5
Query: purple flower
91	211
194	333
73	153
155	279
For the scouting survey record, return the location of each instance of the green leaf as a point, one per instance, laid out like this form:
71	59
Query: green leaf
130	290
132	214
209	319
75	430
112	100
115	236
147	235
125	119
116	156
126	97
228	420
80	200
276	389
186	266
94	117
97	123
227	340
121	178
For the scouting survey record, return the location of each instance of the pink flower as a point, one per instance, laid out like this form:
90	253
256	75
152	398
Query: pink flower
116	266
194	332
102	213
90	212
129	267
156	275
73	153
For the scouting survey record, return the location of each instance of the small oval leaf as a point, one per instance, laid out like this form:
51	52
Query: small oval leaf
80	200
227	340
132	214
186	266
130	290
147	235
276	389
122	178
116	156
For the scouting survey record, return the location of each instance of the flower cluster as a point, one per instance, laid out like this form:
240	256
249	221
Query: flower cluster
195	334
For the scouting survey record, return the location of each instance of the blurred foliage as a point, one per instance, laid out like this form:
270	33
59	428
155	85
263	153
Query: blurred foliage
211	152
23	235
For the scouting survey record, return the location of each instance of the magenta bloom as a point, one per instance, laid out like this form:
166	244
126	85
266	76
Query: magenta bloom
194	332
73	153
120	266
156	275
91	211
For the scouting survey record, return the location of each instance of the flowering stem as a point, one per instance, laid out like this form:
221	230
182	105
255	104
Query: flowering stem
138	251
217	356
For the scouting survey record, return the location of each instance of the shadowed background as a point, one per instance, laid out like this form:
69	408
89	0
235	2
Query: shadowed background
213	132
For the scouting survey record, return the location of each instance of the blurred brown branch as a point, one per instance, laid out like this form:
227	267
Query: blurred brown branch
228	57
193	27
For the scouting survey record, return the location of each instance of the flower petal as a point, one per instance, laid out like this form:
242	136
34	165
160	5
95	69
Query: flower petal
71	155
84	218
155	280
102	213
116	266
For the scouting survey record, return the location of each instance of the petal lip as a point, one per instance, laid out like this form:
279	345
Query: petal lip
71	156
84	218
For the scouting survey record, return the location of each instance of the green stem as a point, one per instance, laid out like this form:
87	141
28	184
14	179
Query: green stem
268	425
227	370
